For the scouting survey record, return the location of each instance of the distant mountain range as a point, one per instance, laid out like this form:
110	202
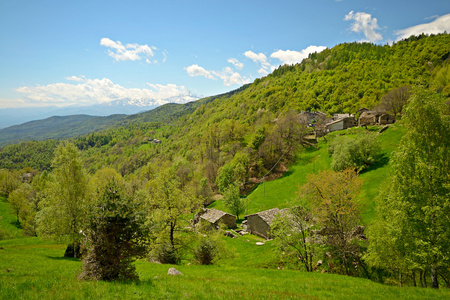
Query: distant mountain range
127	106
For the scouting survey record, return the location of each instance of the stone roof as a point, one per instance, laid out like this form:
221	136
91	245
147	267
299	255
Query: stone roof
267	215
213	215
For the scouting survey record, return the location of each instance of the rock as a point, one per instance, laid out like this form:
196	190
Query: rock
173	271
230	234
319	262
259	243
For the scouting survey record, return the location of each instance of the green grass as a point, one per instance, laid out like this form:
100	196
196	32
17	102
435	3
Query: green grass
34	269
8	221
282	192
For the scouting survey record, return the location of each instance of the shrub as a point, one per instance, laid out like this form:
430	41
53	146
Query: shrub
115	236
354	152
206	251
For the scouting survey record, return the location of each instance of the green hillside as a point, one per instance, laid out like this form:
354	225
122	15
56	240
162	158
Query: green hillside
252	138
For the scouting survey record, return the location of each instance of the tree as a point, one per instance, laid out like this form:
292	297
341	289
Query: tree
357	152
293	232
417	205
396	99
115	235
9	181
64	205
169	203
331	197
233	201
19	199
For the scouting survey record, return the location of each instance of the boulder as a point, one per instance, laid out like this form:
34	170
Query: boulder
173	271
259	243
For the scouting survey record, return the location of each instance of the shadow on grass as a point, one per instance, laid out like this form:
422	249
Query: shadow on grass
63	258
16	224
381	161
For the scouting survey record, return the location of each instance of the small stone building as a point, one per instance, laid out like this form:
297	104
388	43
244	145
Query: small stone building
371	117
341	124
259	223
214	217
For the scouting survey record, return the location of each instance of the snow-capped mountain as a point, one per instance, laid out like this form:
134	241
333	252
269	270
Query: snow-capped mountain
128	106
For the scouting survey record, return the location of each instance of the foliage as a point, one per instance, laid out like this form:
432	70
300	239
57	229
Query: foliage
331	197
169	204
115	235
233	201
9	181
396	99
413	222
294	234
64	205
357	152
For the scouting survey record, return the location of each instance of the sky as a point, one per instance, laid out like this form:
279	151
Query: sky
61	53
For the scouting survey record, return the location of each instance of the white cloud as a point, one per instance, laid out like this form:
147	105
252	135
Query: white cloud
230	77
133	52
196	70
95	91
75	78
291	57
237	64
363	22
262	59
439	25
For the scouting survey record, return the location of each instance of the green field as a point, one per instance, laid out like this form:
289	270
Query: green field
34	269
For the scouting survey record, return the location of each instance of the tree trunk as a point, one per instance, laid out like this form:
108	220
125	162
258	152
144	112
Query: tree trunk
434	279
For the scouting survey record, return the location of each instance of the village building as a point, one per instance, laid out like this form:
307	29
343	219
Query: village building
371	117
342	116
260	223
213	217
341	124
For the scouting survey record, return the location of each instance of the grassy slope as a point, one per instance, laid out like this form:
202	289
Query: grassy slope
25	261
281	192
8	228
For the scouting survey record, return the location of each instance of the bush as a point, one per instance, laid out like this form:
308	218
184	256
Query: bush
357	152
206	251
166	254
115	236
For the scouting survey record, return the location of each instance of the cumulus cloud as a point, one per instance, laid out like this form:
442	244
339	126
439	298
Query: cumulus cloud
237	64
261	59
291	57
230	77
94	91
363	22
196	70
132	52
439	25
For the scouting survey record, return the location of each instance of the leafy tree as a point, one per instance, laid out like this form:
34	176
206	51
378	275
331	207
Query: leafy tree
415	210
233	201
396	99
64	206
293	232
19	199
115	235
225	177
331	197
9	181
354	152
169	203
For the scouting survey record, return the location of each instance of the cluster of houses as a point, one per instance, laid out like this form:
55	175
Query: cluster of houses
343	121
258	224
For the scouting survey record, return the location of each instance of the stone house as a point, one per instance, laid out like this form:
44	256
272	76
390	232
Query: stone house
214	218
341	124
259	223
371	117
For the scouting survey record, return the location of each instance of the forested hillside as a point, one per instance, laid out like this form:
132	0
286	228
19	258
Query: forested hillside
178	158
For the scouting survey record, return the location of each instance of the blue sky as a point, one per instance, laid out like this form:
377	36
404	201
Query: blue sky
85	52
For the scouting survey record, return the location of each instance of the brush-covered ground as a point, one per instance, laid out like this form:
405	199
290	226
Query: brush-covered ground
32	268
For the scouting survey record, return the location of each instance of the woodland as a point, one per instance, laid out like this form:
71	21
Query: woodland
117	196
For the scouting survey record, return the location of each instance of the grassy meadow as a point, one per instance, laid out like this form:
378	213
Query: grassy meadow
33	268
